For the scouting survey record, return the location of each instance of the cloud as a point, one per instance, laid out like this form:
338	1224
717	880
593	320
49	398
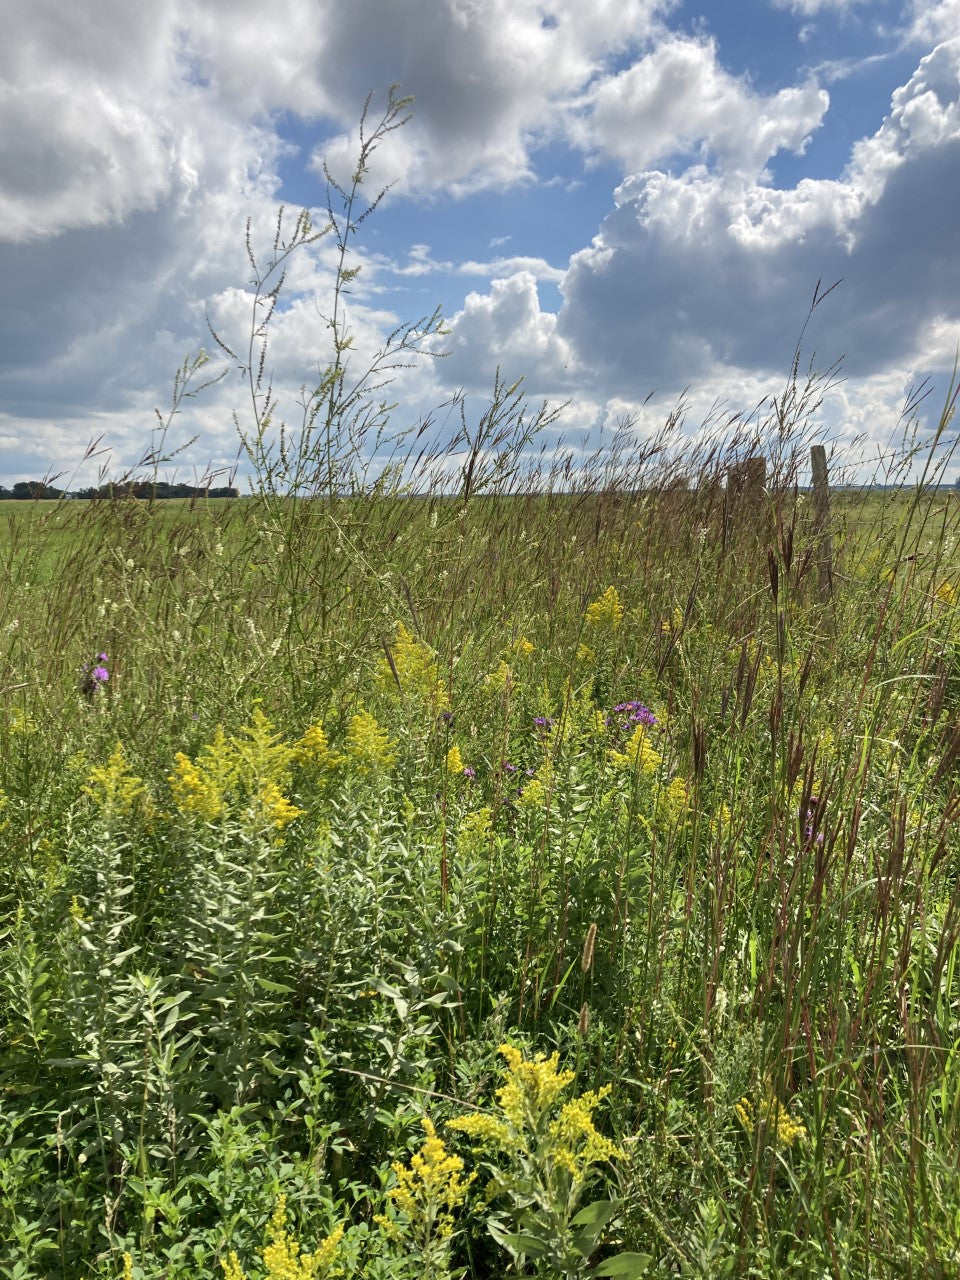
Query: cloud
506	330
809	8
704	277
930	23
488	79
679	100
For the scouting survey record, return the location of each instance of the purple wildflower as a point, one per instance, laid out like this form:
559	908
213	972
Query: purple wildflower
93	678
636	713
508	767
469	773
543	724
811	822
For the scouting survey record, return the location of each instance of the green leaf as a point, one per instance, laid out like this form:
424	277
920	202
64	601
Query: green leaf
625	1265
598	1213
529	1246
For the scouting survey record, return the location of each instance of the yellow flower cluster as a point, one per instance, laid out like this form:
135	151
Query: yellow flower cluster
638	755
413	666
454	761
537	791
431	1188
368	746
282	1257
673	803
606	612
672	624
113	787
577	1144
531	1085
252	767
473	837
570	1141
776	1118
314	749
946	593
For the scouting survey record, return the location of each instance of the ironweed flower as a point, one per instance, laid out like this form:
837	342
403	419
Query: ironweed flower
94	677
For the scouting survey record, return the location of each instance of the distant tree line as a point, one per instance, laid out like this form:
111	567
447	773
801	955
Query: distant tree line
120	489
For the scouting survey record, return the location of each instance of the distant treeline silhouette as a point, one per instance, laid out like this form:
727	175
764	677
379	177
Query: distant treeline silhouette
122	489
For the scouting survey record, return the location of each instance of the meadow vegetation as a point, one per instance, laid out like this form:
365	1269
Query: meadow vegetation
481	862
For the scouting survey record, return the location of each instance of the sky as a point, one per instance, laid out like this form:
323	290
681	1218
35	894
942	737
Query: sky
628	203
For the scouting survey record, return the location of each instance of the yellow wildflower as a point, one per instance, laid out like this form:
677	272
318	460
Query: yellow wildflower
454	761
946	593
777	1120
232	1269
428	1191
113	787
569	1141
606	612
638	754
201	786
487	1131
673	802
531	1085
314	749
127	1266
576	1143
522	647
369	747
475	831
413	666
672	625
276	809
282	1257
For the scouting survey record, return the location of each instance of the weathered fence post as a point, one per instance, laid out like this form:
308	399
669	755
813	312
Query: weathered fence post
744	496
821	519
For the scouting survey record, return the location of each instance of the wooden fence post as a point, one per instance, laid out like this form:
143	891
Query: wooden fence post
744	496
821	519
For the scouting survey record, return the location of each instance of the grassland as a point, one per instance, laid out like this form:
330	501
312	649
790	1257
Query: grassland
365	790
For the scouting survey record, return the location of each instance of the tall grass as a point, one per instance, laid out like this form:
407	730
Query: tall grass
390	771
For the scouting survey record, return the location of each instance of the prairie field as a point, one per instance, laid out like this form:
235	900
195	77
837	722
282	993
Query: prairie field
478	882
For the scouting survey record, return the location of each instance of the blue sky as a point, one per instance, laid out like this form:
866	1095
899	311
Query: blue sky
624	201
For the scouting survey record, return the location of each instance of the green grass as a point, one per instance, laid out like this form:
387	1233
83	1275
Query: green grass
204	1004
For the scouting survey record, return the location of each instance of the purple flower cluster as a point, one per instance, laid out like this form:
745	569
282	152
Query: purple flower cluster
94	677
543	724
631	714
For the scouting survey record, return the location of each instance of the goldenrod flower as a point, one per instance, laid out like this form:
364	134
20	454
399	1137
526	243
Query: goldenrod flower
637	754
282	1257
413	666
368	746
314	749
776	1118
113	787
454	761
201	786
606	612
673	802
